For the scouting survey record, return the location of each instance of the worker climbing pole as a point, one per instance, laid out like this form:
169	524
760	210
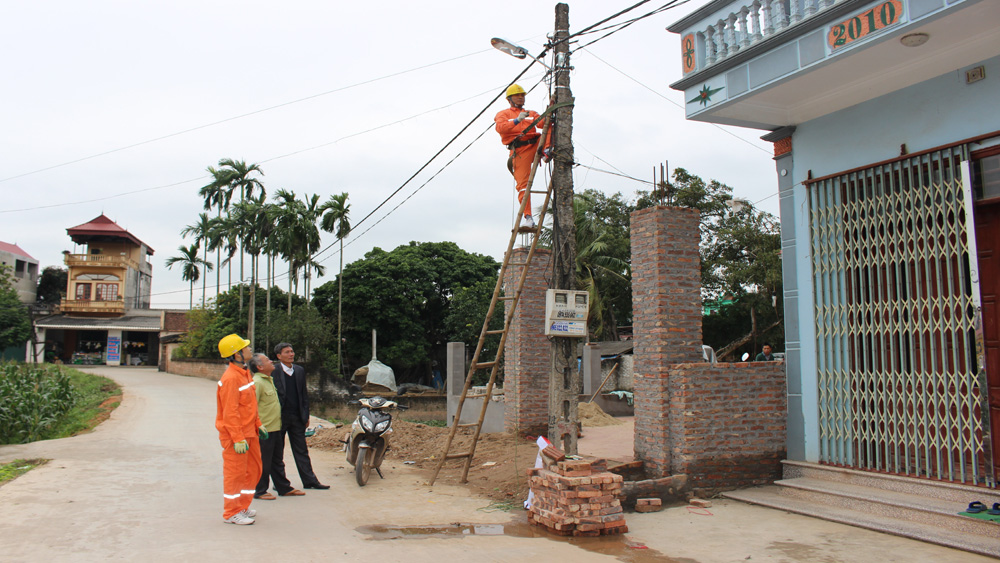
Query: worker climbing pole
517	127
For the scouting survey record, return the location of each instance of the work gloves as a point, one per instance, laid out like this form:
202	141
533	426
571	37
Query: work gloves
241	447
262	432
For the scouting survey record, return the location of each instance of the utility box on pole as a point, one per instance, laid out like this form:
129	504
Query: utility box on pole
566	312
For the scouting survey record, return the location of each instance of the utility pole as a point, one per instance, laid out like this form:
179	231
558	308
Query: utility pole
565	382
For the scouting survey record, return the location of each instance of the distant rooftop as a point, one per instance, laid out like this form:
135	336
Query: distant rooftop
15	249
102	228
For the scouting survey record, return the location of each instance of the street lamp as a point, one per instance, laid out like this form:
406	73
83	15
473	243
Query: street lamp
514	50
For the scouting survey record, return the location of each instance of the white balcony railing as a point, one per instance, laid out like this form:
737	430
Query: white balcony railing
91	306
749	23
108	260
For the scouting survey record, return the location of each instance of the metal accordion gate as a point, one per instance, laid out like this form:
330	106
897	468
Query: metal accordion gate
900	387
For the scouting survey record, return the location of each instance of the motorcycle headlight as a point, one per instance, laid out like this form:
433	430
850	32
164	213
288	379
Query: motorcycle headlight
366	424
382	426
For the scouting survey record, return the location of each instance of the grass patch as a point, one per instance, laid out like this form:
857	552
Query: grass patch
18	467
96	397
45	401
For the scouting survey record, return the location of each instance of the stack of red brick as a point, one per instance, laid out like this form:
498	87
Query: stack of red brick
574	497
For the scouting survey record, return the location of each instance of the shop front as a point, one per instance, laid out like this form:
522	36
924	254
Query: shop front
129	340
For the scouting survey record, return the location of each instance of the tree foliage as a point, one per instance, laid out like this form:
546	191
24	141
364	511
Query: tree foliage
740	257
207	325
15	322
465	317
310	333
405	295
51	285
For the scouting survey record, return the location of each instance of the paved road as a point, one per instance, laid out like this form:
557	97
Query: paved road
147	486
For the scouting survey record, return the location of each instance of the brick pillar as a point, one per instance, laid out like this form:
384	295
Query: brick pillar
526	352
666	320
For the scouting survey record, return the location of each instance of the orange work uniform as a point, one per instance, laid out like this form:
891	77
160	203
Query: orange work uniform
236	420
523	151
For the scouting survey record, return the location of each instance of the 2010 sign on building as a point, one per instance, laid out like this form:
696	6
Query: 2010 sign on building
864	24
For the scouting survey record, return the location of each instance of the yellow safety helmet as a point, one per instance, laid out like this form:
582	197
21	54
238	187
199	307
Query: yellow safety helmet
514	89
231	344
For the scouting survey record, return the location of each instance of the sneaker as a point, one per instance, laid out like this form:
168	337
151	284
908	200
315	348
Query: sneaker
240	519
249	513
528	222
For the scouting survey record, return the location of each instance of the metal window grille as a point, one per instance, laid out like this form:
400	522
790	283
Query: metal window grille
899	390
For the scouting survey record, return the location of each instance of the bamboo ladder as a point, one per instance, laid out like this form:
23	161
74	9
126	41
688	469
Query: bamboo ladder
494	365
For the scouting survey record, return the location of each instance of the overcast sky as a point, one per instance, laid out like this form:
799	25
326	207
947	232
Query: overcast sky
118	107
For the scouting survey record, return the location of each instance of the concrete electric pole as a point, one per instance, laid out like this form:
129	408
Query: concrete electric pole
565	381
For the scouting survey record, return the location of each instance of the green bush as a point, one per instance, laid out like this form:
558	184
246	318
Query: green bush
32	399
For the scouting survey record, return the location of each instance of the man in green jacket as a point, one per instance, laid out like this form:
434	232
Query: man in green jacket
273	445
764	356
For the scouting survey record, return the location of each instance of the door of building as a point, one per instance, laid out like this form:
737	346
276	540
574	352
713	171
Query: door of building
987	217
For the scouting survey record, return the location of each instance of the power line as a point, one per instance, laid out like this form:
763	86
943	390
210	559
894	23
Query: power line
619	174
414	192
436	154
293	153
716	125
113	196
615	28
241	116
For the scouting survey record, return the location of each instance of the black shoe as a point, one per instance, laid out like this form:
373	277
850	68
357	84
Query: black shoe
317	486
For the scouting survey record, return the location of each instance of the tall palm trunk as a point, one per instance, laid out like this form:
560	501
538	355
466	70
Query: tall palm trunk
340	300
218	268
253	300
289	289
241	267
267	314
204	274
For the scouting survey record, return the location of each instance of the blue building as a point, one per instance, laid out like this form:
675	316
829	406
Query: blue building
885	123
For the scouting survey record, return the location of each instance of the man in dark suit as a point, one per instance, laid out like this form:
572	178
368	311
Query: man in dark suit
290	382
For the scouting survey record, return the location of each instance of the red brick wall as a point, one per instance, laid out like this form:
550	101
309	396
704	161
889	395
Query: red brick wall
208	369
526	352
722	425
175	321
727	423
666	319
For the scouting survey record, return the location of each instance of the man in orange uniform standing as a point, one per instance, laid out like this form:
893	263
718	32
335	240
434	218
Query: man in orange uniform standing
510	123
238	425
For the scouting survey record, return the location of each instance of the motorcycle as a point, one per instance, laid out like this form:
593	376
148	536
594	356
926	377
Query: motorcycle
369	438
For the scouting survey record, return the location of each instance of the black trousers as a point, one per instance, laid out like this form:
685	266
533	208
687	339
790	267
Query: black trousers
271	451
296	433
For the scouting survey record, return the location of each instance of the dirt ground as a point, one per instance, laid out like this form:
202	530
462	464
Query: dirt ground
498	470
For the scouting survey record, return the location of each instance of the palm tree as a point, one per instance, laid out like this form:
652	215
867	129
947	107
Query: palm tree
190	262
298	234
201	231
238	177
251	221
218	195
223	236
336	220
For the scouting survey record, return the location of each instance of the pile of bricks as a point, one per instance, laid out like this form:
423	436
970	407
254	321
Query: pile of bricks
648	505
573	497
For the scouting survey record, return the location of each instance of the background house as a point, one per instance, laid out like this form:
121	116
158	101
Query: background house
105	316
23	269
